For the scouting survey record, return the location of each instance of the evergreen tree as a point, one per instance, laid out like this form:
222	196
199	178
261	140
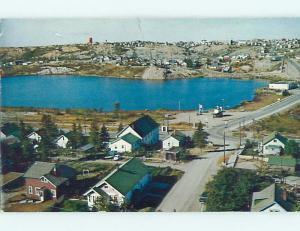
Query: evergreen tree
23	130
80	134
120	128
292	148
200	136
73	136
94	134
104	136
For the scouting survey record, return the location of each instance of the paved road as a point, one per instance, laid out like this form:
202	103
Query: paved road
184	195
216	133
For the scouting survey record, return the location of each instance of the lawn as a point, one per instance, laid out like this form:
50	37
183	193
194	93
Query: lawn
40	207
287	123
261	99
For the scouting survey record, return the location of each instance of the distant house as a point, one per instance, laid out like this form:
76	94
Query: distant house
45	180
126	143
61	141
173	153
174	140
11	129
283	163
144	128
282	86
34	137
271	199
121	185
274	145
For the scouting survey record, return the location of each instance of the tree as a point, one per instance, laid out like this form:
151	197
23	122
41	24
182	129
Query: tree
117	109
23	130
49	127
104	136
231	190
292	148
120	128
200	136
74	137
80	134
103	204
262	168
94	134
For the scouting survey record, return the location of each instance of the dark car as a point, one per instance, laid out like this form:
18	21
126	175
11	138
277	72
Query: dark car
203	197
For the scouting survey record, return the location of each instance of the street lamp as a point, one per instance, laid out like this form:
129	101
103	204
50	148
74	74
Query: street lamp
225	126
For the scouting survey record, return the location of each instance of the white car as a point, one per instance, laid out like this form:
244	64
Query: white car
117	157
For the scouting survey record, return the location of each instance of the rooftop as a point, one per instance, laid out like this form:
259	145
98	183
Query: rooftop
144	125
128	175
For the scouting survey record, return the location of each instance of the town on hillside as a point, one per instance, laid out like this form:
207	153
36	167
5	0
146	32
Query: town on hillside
106	126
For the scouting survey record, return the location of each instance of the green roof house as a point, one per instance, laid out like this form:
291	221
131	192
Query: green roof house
274	144
177	139
122	184
126	143
144	128
271	199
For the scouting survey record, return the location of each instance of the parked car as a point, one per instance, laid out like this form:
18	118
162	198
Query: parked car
203	197
117	157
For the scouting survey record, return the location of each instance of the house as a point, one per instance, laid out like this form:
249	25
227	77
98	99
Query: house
176	139
61	141
271	199
282	86
44	180
273	145
283	163
144	128
2	136
34	137
126	143
121	185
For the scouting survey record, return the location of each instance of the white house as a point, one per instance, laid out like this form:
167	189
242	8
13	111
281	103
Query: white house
126	143
270	199
144	128
61	141
122	184
273	145
34	136
282	86
175	140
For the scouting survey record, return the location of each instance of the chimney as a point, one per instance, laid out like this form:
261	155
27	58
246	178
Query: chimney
284	195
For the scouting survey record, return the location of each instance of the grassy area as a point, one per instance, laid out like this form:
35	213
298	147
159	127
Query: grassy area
287	123
40	207
95	169
262	99
65	118
165	171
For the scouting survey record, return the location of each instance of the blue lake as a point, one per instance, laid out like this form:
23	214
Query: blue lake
102	93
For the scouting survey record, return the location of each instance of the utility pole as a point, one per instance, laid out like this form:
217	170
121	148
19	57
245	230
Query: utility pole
224	150
240	134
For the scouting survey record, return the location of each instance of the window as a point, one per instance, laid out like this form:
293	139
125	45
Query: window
122	146
53	192
37	191
43	179
30	189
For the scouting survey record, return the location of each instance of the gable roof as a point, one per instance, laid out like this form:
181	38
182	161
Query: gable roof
130	138
11	129
144	125
39	169
58	138
128	175
278	136
284	161
177	135
267	197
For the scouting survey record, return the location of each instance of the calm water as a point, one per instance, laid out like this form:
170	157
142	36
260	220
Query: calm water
31	32
102	93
